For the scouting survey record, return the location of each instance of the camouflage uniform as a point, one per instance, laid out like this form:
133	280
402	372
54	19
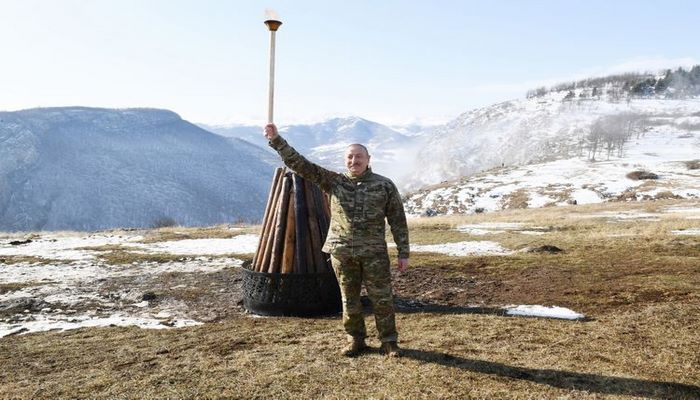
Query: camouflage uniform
356	239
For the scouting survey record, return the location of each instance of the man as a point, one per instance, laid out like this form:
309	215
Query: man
360	202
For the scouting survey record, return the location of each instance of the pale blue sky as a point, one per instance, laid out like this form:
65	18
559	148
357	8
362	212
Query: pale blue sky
389	61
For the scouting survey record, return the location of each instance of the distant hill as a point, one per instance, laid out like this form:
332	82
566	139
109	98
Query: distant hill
557	123
77	168
575	142
661	163
669	84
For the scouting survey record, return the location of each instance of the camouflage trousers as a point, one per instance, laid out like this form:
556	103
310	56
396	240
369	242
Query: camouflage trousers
353	267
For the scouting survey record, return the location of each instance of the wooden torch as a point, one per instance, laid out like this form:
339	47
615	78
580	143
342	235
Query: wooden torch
273	23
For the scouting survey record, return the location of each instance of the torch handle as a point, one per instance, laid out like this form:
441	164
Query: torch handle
271	91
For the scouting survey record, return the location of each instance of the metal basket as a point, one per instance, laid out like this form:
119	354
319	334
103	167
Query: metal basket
301	295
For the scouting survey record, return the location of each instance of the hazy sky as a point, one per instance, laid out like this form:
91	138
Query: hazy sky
396	61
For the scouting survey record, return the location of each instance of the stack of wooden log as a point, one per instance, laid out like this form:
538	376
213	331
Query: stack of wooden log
294	227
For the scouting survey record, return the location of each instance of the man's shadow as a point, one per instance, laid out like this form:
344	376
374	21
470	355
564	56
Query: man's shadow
592	383
411	306
562	379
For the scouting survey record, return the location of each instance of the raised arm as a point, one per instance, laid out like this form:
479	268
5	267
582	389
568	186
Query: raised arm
291	158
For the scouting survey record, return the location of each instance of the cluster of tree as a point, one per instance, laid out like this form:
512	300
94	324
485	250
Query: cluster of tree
610	133
675	84
680	83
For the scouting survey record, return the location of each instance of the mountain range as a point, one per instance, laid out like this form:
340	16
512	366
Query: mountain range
594	140
392	149
87	169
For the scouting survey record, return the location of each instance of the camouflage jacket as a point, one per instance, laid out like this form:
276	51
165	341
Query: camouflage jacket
359	205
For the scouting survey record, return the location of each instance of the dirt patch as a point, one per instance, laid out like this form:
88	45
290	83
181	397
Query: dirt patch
589	280
204	297
9	260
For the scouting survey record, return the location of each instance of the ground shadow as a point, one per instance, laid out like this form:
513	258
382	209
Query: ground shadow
563	379
410	306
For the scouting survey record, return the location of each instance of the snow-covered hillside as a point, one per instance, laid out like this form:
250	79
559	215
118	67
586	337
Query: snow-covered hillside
671	154
535	130
86	169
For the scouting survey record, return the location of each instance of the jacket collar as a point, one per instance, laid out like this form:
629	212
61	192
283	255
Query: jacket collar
365	175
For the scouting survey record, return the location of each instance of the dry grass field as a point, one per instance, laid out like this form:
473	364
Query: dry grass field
628	267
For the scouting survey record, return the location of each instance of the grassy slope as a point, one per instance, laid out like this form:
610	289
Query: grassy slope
641	292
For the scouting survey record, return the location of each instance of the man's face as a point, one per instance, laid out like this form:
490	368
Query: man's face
356	160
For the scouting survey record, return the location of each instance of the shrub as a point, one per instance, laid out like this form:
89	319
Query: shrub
694	164
516	200
638	175
164	222
429	212
666	195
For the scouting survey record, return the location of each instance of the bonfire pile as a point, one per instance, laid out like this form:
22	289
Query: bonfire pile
294	228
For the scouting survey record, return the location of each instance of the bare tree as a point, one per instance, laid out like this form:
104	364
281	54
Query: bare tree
594	137
616	128
612	132
581	133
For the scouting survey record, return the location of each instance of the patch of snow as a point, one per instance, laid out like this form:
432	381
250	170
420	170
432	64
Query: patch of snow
241	244
624	215
488	203
68	284
585	196
493	225
72	273
537	200
495	228
542	311
683	210
42	323
688	232
478	232
469	248
58	247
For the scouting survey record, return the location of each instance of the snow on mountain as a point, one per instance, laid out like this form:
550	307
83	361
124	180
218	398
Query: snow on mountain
544	151
392	152
414	129
529	131
79	168
250	133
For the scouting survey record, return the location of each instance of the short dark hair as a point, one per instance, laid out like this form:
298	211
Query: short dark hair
360	145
